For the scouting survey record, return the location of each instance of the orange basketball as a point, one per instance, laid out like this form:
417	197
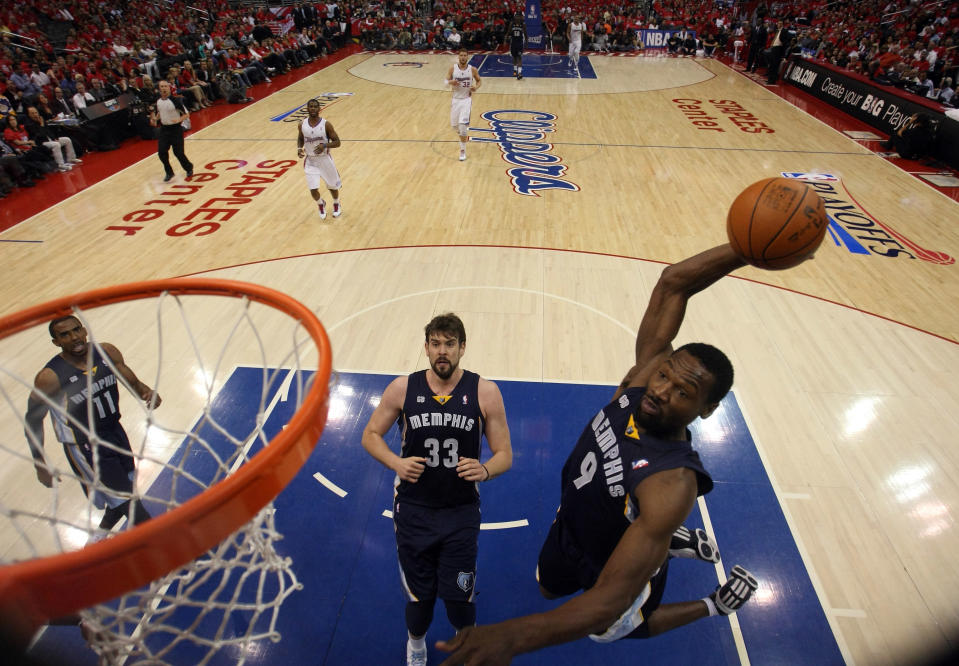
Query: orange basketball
776	223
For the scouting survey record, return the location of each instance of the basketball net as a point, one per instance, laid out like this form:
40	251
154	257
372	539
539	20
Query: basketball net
204	573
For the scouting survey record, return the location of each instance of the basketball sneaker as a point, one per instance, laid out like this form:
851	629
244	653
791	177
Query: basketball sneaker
731	595
462	155
694	544
336	209
321	205
415	657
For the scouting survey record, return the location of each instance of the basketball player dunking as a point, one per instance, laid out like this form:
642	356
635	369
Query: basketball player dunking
635	454
313	143
465	80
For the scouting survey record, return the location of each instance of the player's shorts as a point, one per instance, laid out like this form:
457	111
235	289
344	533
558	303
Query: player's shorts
516	49
563	570
115	469
437	550
321	168
575	48
460	112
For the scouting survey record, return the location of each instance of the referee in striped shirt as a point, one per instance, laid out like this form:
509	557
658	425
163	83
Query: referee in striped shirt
169	116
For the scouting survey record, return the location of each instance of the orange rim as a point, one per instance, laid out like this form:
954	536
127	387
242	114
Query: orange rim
36	591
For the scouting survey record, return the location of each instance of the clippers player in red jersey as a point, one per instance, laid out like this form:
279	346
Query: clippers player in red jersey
635	454
81	381
443	414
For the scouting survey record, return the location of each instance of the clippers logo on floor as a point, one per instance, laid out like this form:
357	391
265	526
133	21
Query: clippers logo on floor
521	136
852	227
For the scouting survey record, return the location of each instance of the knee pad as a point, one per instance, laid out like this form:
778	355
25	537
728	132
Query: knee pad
461	614
464	129
419	615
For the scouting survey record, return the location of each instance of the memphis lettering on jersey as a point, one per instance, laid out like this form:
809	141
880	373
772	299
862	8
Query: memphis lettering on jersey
95	387
522	142
441	419
613	464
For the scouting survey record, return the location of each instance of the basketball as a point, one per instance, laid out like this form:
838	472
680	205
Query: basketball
776	223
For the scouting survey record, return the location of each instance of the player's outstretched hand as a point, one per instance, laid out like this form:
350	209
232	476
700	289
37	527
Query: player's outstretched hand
410	469
477	646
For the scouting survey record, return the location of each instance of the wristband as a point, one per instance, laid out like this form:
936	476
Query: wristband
487	473
711	607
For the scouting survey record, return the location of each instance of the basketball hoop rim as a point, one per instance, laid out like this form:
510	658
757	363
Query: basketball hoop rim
36	591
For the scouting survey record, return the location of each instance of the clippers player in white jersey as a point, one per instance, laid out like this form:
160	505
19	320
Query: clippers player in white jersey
465	80
627	486
574	37
443	414
314	141
84	385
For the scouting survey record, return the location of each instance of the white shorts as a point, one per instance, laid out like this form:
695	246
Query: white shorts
574	49
321	168
460	112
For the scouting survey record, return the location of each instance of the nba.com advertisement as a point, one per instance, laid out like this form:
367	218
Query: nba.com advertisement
878	106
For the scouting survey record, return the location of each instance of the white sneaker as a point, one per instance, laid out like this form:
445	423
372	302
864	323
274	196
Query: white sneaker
415	657
336	209
321	206
462	155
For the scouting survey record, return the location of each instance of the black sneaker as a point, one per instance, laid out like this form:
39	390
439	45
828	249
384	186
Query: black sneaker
736	591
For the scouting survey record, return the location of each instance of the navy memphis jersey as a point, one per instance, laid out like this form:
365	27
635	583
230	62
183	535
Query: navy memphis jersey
441	429
516	34
610	459
102	394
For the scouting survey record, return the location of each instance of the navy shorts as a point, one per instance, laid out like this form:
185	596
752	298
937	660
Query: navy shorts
437	550
562	570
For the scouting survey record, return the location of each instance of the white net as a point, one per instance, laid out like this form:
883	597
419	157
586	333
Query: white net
230	373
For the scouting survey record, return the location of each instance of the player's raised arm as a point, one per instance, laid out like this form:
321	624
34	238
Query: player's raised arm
667	304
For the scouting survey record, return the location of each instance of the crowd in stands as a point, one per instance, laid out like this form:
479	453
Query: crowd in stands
907	43
59	56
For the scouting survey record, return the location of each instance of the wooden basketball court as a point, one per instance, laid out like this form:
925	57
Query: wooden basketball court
845	365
